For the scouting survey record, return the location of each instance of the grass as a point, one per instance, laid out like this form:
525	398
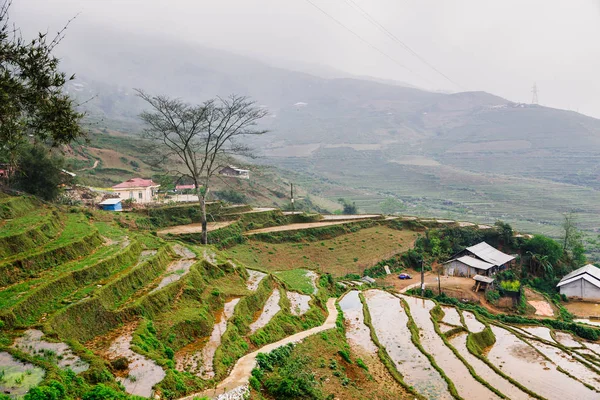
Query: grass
367	246
23	224
77	239
296	280
17	292
321	357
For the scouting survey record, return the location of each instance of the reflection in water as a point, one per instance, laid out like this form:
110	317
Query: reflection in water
271	308
528	367
58	353
390	322
433	344
483	370
357	333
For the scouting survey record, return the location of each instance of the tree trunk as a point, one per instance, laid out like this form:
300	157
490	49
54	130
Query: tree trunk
204	220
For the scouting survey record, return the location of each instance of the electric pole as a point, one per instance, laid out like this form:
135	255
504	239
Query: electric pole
292	196
422	280
534	90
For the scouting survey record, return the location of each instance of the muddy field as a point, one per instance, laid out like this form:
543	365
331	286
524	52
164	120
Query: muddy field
530	356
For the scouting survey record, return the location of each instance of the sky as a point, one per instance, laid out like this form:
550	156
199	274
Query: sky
502	47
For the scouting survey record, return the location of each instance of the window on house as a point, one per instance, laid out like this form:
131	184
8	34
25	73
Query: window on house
140	195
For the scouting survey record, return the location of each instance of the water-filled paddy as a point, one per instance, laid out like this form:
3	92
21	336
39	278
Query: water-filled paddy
357	333
390	322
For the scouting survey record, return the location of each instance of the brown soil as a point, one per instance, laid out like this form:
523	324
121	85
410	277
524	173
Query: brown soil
542	307
349	253
461	288
452	286
583	309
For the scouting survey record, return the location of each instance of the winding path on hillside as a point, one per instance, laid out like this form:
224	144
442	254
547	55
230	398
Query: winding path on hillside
297	227
194	228
241	371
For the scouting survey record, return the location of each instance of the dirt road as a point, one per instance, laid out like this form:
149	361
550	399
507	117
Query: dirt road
194	228
296	227
241	371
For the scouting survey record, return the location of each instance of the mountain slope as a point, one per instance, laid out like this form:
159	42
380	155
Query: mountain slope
363	139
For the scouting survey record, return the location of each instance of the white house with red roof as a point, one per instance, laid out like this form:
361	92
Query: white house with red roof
138	189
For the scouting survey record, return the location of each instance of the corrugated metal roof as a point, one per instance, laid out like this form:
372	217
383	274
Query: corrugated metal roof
109	202
473	262
585	277
589	272
485	279
490	254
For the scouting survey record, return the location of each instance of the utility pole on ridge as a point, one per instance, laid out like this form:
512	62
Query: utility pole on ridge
534	90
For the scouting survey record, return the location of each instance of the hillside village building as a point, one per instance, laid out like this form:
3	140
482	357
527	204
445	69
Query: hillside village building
138	189
235	172
481	259
583	283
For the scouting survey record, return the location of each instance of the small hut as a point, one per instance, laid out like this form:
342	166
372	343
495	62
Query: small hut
111	205
483	282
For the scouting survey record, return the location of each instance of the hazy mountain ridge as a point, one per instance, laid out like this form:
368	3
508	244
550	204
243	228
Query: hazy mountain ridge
476	151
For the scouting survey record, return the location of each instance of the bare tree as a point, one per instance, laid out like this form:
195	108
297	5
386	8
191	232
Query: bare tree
201	137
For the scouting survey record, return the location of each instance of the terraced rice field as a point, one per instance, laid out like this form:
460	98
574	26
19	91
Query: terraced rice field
270	309
74	289
390	323
459	342
517	366
83	294
433	344
18	377
143	372
357	333
525	365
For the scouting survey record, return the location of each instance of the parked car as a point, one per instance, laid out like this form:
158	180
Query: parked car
404	276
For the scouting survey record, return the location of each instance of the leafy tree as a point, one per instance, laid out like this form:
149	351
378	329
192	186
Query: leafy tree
32	99
40	172
232	196
506	233
573	240
544	253
199	138
391	206
348	208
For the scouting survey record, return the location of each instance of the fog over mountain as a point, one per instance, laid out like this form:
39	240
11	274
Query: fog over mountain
346	120
502	47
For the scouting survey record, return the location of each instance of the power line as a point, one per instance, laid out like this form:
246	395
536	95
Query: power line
365	41
397	40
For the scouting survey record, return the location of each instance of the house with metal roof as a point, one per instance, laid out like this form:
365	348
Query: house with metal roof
481	259
583	283
235	172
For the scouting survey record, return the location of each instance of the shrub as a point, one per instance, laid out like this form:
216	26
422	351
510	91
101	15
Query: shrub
511	286
53	391
492	296
362	364
345	355
102	392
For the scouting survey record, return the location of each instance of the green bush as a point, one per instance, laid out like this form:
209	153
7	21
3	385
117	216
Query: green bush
345	355
102	392
492	296
511	286
53	391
